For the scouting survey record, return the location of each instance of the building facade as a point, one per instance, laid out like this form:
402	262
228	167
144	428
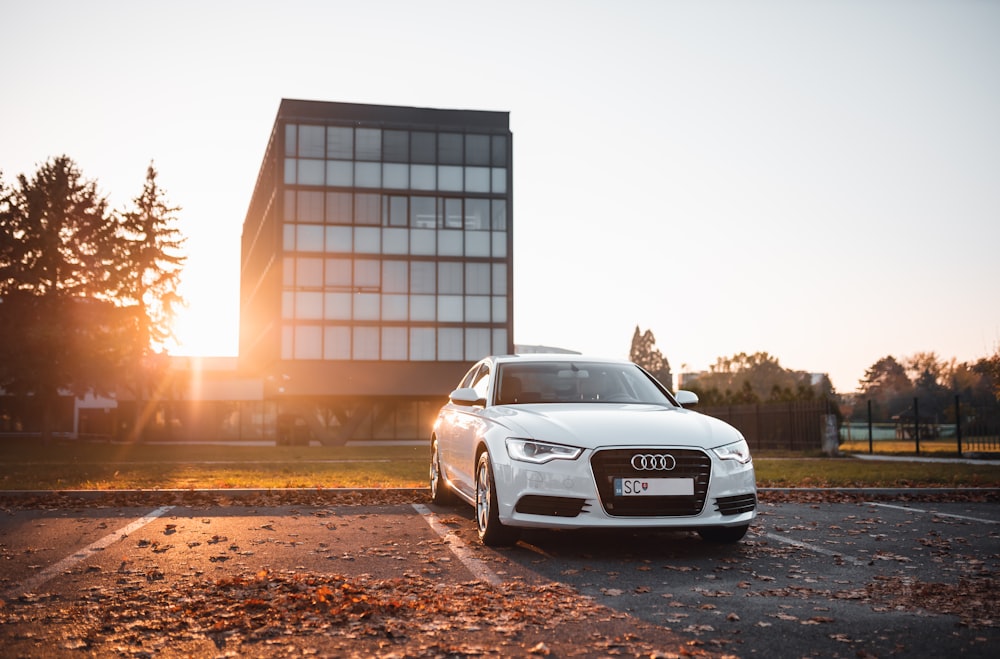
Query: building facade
376	264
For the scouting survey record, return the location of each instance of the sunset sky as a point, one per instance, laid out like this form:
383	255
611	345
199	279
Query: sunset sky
819	180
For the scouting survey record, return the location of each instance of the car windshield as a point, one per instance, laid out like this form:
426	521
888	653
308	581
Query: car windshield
576	382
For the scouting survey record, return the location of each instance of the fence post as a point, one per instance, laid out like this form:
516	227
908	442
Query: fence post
916	423
958	424
871	448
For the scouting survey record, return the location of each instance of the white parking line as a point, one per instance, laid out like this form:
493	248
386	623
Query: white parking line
28	585
933	512
459	548
818	550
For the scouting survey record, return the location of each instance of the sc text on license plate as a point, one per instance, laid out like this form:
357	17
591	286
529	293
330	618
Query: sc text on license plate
654	487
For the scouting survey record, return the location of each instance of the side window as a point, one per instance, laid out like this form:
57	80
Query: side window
482	381
470	377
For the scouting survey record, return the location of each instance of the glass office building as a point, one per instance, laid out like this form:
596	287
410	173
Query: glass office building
376	263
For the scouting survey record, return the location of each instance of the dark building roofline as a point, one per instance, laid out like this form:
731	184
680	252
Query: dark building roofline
293	109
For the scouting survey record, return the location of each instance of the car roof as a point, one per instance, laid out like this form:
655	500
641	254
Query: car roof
557	357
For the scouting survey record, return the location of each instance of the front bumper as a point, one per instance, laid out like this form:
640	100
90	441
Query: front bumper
581	494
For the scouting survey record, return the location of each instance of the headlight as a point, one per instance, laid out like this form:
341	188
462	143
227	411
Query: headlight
739	451
528	450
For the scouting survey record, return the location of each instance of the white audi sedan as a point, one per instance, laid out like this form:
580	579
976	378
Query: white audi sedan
566	441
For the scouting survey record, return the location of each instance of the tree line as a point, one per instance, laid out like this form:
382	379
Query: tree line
87	292
890	384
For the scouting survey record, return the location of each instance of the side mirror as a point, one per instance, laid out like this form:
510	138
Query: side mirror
686	398
466	396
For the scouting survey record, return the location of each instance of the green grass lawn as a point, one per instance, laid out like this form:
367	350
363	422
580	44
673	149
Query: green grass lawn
69	465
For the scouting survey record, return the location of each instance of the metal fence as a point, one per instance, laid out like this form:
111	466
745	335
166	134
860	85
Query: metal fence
793	426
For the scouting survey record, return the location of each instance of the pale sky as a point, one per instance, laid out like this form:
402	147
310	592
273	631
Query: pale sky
817	180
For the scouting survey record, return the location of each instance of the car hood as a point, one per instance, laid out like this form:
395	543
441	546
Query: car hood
607	424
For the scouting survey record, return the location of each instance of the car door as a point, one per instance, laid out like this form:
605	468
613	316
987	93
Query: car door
468	427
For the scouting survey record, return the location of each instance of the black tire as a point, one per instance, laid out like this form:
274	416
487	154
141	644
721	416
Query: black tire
723	534
440	494
491	531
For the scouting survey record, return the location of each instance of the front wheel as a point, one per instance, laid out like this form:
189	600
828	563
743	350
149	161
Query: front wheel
440	493
491	531
723	534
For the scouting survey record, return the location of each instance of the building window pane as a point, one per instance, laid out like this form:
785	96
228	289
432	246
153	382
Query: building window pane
339	239
368	144
367	174
308	342
477	308
477	278
394	343
423	307
309	305
450	243
339	207
367	306
450	344
422	277
289	205
340	173
395	241
477	344
287	341
311	142
423	147
422	177
396	213
422	341
423	212
477	149
290	132
309	272
395	307
367	274
367	208
288	271
477	243
450	148
450	309
396	176
366	342
498	214
311	172
500	244
309	237
310	206
477	179
338	273
423	242
368	240
499	279
500	346
288	237
396	146
395	277
499	309
337	343
291	167
453	217
337	306
450	278
288	304
477	214
340	142
499	182
449	178
499	155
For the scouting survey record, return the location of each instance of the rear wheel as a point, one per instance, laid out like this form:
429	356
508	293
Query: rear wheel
440	493
491	531
723	534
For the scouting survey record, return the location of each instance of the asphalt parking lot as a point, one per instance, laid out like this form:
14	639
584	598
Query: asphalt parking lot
877	579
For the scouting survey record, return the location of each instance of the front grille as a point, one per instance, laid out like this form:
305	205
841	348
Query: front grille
617	463
741	503
535	504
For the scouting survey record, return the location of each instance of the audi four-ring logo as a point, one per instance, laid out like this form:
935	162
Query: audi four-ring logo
653	462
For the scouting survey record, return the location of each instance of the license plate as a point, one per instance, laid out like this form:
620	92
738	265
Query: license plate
654	487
